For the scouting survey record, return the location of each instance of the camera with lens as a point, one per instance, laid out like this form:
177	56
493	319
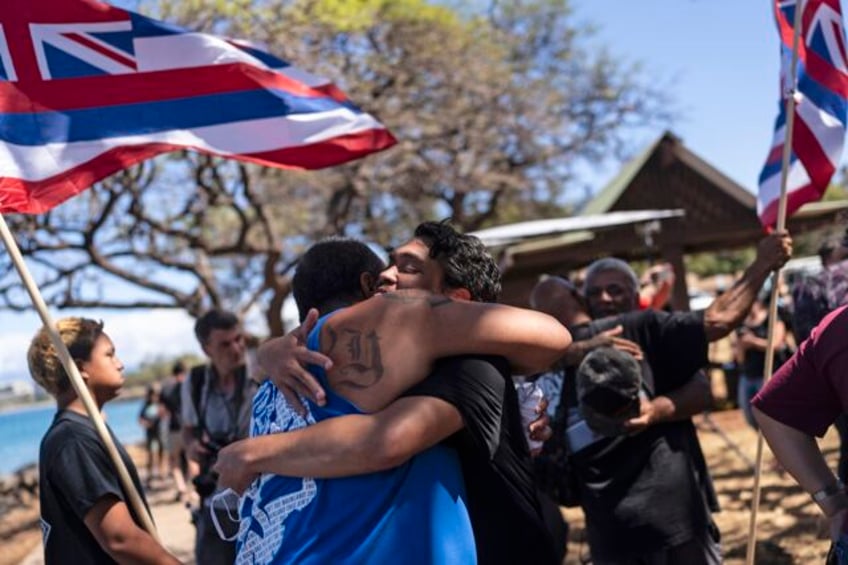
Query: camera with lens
205	484
207	481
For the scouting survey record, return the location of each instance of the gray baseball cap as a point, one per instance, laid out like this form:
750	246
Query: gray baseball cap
608	386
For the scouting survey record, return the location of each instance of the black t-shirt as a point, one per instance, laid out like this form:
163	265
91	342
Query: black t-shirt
652	490
75	472
501	494
171	398
754	363
149	413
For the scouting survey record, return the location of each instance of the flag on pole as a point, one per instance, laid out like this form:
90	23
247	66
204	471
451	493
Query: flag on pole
820	106
87	89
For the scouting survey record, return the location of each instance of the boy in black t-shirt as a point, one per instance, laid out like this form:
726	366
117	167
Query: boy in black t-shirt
84	514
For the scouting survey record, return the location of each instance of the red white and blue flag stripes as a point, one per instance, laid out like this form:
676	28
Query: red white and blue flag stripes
87	89
820	107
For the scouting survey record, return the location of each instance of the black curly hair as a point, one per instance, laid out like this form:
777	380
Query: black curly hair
464	260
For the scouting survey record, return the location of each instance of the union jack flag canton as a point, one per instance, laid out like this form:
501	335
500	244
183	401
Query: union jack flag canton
820	107
87	89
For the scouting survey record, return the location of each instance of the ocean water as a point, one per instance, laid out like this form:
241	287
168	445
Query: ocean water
21	430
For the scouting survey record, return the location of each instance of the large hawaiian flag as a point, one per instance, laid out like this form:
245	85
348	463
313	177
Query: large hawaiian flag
820	106
87	89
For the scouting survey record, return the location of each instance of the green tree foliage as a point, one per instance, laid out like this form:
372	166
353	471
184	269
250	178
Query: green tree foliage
803	244
493	106
721	263
493	110
143	239
158	368
807	244
839	189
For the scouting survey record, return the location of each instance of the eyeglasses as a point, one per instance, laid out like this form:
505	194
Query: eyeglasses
614	290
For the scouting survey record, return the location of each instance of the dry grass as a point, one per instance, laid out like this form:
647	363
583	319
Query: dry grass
789	527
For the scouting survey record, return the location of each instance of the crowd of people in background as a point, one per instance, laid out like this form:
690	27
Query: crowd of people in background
376	405
160	417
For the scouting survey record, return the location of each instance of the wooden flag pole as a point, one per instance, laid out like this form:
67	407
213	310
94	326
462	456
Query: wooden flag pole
134	498
781	225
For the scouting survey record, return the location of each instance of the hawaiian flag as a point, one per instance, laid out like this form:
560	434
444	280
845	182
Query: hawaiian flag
820	107
87	89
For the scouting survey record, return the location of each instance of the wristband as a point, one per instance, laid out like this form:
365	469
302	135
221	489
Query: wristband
830	490
834	504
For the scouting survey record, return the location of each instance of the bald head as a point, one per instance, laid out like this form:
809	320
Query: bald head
559	298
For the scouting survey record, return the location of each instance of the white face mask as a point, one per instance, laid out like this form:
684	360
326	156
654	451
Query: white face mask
227	499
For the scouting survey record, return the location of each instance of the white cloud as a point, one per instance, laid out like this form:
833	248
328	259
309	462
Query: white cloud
138	335
290	316
144	334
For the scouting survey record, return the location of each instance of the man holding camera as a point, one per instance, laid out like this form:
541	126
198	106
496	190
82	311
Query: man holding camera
216	400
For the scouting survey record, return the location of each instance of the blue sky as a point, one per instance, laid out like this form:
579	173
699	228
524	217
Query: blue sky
720	59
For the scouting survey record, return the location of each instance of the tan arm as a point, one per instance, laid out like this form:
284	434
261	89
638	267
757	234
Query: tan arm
751	341
680	404
729	309
338	447
384	345
111	524
800	455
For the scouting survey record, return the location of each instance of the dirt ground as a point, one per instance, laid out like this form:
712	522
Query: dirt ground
789	529
19	532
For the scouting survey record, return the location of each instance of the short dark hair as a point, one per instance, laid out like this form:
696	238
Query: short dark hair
463	258
566	283
215	319
178	368
610	264
330	271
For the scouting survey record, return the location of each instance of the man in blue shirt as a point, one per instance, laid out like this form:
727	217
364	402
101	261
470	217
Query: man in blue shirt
379	348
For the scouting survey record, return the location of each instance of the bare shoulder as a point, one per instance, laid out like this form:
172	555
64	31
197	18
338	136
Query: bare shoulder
380	346
414	296
401	303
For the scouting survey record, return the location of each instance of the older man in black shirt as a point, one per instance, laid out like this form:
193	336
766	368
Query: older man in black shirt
647	495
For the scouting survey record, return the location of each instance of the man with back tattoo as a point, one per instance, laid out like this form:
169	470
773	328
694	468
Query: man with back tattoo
379	347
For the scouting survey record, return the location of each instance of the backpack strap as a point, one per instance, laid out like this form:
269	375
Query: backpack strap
195	380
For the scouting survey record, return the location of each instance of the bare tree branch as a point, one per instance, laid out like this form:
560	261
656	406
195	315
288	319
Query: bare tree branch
493	111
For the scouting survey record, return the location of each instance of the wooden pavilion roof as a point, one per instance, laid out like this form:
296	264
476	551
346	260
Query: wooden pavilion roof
720	214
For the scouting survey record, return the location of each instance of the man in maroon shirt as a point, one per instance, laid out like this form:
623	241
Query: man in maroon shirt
801	401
